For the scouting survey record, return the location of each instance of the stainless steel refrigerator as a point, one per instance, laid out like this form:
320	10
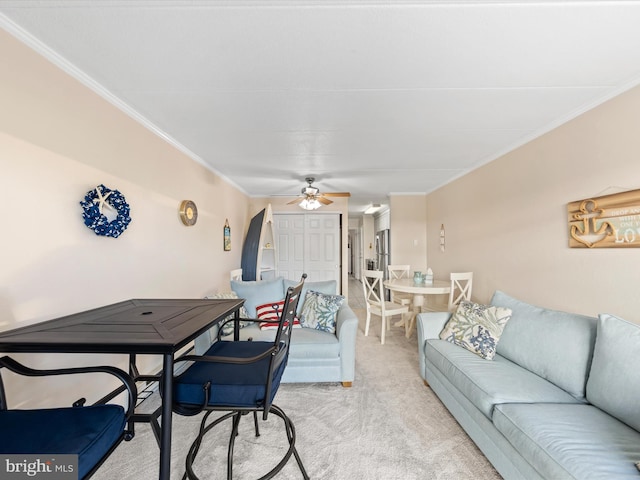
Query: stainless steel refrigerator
383	254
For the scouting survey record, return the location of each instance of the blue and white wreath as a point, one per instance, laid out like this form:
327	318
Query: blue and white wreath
93	204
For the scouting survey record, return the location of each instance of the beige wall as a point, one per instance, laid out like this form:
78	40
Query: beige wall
507	221
59	140
408	231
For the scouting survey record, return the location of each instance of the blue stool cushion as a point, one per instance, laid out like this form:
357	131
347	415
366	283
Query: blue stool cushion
89	432
231	385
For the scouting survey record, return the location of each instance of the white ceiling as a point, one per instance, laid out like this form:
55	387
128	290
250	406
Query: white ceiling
369	97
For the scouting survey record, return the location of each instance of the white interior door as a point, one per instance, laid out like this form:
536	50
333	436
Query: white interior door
322	253
289	232
309	243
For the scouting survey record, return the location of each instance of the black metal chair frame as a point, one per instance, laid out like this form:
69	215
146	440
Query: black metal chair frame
278	353
127	434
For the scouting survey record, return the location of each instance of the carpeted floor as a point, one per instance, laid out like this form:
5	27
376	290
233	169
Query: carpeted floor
387	426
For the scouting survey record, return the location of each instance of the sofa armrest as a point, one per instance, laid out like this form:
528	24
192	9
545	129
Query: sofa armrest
429	326
346	330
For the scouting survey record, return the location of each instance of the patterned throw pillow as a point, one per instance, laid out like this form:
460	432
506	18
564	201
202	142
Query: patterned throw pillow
227	328
476	327
325	286
272	316
319	311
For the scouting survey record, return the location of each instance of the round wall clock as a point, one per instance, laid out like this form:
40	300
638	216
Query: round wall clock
188	213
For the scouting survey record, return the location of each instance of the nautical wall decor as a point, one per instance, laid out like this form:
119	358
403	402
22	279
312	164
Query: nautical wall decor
94	205
610	221
226	234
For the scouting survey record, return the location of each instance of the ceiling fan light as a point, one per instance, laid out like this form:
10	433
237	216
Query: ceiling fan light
310	204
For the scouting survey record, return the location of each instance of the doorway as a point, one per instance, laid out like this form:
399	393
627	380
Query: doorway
355	253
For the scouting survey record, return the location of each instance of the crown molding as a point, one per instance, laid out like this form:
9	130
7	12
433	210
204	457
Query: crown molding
69	68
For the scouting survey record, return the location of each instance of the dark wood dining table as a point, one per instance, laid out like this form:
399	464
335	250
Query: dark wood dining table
138	326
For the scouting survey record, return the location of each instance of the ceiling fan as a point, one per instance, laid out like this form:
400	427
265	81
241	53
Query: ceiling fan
311	198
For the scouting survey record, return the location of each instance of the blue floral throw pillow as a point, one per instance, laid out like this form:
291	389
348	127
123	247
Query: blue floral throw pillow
477	328
319	311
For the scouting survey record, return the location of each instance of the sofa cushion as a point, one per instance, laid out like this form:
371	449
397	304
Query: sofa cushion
476	327
556	345
570	441
486	384
259	292
319	311
328	286
314	344
614	380
305	342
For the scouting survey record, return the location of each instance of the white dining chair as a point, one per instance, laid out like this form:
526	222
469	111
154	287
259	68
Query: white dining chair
376	304
236	275
460	289
398	272
461	286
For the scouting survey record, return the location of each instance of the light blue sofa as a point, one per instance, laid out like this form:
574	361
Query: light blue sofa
560	400
314	355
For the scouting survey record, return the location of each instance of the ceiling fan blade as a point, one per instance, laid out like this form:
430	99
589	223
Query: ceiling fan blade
324	201
297	200
336	194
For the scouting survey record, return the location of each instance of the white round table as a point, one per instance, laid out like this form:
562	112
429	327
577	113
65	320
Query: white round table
418	290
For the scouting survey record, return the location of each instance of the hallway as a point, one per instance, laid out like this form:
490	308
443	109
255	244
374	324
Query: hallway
356	294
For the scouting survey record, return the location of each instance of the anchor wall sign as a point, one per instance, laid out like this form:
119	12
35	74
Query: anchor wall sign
610	221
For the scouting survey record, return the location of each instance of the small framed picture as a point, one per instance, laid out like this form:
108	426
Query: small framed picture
227	236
